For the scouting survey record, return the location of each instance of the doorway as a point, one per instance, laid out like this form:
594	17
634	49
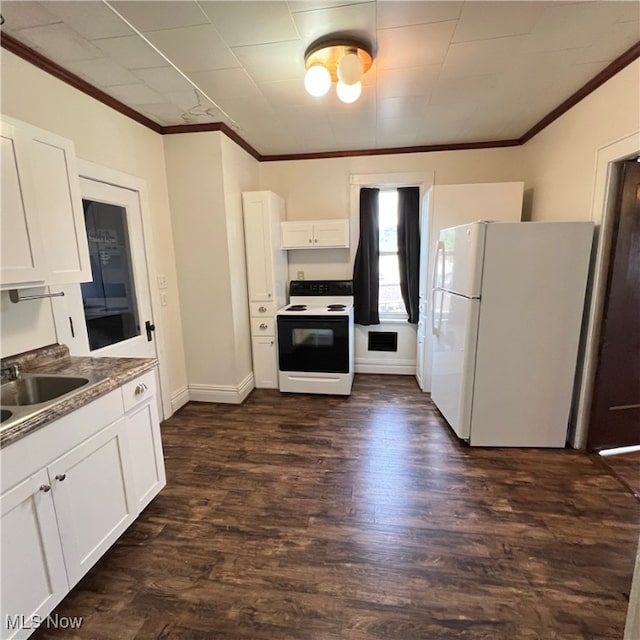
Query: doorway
615	409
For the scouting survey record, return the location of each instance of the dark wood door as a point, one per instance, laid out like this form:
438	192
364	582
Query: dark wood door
615	413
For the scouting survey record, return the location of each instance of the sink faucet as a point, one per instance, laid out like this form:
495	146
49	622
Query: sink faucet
10	372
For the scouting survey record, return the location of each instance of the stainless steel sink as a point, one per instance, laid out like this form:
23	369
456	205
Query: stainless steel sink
34	389
5	414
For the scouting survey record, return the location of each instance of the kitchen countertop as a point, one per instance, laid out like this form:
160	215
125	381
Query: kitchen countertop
105	374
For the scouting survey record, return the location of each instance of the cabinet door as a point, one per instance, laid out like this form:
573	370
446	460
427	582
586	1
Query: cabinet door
92	489
21	254
145	447
58	199
33	578
265	367
297	235
331	233
258	248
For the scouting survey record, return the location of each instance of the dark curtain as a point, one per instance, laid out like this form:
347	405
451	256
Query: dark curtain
409	248
366	268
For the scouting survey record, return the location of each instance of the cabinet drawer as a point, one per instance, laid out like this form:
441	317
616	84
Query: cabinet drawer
259	309
262	327
139	390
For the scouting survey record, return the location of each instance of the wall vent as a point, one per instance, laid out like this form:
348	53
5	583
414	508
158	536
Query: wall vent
383	341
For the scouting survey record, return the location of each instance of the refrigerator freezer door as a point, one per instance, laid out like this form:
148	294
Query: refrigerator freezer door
454	351
459	261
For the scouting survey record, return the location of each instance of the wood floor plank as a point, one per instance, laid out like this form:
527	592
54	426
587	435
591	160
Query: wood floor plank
362	518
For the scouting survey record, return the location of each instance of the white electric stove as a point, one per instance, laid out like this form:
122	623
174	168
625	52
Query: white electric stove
315	338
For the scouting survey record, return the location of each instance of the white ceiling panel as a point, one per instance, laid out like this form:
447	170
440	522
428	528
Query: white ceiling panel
423	44
245	23
194	48
168	14
136	94
103	72
444	71
61	43
163	79
273	62
357	20
92	19
132	52
402	14
22	15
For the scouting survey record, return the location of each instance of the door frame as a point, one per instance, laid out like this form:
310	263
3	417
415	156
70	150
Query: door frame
602	214
99	173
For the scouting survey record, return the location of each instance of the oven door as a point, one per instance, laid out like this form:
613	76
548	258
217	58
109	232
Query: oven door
313	343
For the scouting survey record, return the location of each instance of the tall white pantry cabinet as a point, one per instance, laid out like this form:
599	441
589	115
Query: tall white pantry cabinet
267	279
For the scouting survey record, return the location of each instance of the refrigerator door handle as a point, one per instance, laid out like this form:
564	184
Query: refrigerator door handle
435	328
439	248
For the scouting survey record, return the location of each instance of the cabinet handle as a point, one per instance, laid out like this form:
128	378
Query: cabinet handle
45	487
140	388
271	343
262	309
264	326
315	239
61	476
268	295
310	240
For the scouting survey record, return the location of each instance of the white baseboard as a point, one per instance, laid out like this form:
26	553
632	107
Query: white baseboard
226	394
389	366
179	398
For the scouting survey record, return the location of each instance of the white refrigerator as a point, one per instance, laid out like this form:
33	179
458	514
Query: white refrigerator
507	303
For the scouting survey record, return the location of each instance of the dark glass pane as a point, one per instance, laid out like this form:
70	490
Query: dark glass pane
110	307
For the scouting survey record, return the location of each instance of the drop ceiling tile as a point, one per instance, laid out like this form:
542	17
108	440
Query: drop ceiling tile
296	6
357	20
403	14
402	108
481	57
22	15
163	79
245	23
168	14
394	139
132	52
622	36
103	72
456	90
60	43
573	25
485	20
194	48
273	62
136	94
407	81
91	19
192	101
415	46
287	93
163	113
226	84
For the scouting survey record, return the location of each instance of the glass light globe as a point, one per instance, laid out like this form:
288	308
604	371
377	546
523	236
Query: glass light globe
350	68
349	92
317	80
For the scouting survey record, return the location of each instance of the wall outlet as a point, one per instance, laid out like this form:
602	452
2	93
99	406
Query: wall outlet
163	299
162	282
300	275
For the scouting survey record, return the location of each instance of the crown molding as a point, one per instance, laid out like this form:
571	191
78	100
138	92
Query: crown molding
45	64
49	66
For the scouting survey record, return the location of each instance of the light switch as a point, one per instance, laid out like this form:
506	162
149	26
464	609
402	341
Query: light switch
162	282
163	299
300	275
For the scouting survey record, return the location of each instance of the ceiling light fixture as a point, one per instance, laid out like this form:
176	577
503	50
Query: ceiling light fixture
342	61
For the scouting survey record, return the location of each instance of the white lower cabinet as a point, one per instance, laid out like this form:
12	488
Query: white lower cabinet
93	494
80	494
265	362
33	569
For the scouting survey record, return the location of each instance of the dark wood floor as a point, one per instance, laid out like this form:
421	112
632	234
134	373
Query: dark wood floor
309	517
626	467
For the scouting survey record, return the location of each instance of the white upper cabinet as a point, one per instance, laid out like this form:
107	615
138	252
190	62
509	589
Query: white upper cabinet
53	165
22	256
318	234
43	233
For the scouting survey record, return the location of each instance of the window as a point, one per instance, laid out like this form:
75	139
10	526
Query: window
390	301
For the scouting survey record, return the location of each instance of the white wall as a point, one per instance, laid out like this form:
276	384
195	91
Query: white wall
206	174
560	161
103	136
